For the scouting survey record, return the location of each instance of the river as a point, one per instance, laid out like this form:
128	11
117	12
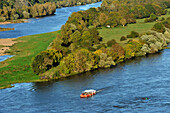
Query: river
42	25
140	85
136	86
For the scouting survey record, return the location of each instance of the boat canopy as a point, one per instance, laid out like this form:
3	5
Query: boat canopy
90	90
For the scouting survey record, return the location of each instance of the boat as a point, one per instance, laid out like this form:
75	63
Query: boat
88	93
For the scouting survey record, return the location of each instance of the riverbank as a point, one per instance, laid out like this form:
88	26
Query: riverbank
14	21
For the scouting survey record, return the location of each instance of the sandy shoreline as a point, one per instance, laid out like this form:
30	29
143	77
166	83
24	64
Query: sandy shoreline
14	21
6	43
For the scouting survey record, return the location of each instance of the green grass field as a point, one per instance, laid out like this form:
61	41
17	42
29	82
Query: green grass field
17	69
117	32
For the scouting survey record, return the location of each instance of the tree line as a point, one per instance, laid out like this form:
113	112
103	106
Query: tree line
19	9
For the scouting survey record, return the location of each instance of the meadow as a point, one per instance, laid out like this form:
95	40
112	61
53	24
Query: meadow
117	32
17	69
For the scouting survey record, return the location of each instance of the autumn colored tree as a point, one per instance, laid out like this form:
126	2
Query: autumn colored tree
123	22
102	18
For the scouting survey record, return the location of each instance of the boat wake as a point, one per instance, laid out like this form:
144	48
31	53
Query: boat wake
102	89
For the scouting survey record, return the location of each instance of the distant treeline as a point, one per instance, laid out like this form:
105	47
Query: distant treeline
24	9
79	48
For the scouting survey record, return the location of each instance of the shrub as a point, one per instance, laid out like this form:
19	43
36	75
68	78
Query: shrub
123	38
45	61
153	17
111	42
16	16
2	19
133	34
101	46
26	15
91	49
162	19
159	27
146	20
166	23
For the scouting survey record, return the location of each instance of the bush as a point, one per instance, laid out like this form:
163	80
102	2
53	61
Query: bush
91	49
111	42
16	16
146	20
133	34
123	38
159	27
162	19
166	23
152	18
2	19
101	46
45	61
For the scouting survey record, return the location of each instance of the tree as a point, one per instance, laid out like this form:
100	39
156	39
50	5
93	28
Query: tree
159	27
153	17
79	61
26	15
123	22
46	60
102	18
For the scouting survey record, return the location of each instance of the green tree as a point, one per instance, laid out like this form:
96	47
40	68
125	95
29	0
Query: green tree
159	27
45	61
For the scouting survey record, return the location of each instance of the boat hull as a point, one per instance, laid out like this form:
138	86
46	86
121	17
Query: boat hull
86	96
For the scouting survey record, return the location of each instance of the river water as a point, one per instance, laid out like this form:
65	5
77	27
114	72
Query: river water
141	85
42	25
136	86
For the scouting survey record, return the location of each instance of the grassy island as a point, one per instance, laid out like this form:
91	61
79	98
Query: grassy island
89	40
